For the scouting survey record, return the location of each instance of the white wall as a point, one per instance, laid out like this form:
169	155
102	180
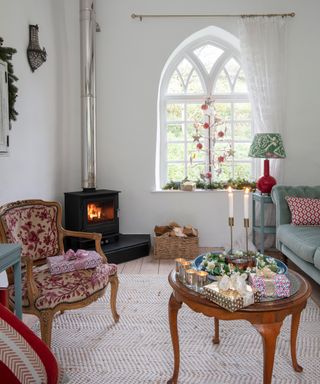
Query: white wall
43	161
45	152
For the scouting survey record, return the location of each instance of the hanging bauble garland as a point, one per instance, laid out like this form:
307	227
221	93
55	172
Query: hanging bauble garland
6	56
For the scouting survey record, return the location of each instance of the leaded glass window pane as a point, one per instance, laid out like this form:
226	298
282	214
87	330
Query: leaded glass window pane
175	84
208	55
232	67
184	69
222	83
241	84
194	84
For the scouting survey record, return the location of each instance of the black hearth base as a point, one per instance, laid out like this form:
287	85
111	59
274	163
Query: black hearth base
128	247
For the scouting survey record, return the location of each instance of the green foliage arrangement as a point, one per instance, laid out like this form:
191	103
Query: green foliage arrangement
237	183
217	264
6	56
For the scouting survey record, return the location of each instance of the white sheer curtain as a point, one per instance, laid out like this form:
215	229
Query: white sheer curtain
263	56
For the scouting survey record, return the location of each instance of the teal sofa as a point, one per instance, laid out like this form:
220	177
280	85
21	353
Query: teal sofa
300	244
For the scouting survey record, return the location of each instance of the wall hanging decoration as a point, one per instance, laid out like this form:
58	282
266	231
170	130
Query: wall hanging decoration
36	55
6	56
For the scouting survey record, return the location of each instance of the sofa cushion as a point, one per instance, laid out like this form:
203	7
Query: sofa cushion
279	193
302	240
304	211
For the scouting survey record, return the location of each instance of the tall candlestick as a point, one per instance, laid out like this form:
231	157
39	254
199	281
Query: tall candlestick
246	203
230	198
231	224
246	225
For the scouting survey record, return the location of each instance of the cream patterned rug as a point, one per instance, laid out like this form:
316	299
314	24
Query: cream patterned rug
93	349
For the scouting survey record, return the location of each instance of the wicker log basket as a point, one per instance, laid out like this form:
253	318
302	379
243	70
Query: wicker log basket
173	241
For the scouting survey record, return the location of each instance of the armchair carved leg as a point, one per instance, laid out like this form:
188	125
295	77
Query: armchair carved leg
46	318
113	297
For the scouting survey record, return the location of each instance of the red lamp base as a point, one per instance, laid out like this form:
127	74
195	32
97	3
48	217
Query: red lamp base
266	182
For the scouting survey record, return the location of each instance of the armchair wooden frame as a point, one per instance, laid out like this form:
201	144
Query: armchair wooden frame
46	316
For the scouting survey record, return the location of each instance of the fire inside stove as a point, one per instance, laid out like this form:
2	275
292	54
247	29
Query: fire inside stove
99	212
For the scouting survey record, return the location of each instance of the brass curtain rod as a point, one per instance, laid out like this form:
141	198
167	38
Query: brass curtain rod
140	17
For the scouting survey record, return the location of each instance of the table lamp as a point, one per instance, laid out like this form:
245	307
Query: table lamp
267	146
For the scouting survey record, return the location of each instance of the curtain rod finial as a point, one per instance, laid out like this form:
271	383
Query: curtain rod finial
134	16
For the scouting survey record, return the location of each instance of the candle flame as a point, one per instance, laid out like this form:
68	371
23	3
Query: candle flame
229	189
247	190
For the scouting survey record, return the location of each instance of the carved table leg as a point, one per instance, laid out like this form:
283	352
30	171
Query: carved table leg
215	338
294	333
174	307
269	334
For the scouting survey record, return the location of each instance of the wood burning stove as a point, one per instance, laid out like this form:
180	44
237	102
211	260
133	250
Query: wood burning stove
97	211
93	211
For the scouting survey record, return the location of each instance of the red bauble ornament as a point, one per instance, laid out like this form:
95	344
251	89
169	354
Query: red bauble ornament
221	159
199	146
204	107
208	175
220	134
206	125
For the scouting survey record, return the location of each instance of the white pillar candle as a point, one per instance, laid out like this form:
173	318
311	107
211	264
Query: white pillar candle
230	198
246	203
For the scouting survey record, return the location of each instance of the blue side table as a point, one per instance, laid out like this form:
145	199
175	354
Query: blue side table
10	256
261	229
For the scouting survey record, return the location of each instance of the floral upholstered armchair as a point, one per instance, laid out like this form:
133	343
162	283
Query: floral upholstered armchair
36	225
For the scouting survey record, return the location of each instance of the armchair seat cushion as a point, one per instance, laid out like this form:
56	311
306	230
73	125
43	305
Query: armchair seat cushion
67	287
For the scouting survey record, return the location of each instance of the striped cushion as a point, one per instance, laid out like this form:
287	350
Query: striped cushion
18	356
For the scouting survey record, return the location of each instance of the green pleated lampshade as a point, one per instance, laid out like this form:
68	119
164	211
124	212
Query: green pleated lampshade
267	145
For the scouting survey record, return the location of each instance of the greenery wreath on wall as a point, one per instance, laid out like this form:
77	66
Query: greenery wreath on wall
6	56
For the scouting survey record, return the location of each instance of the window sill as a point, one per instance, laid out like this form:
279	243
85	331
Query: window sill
195	191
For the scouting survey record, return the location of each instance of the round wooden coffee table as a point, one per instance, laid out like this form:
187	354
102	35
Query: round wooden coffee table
266	317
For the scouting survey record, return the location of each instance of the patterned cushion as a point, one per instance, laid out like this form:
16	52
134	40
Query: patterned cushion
19	358
35	228
65	288
304	211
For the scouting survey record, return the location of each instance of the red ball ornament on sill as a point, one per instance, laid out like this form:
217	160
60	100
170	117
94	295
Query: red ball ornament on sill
199	146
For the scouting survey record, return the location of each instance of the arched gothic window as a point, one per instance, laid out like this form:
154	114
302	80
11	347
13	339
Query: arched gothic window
206	66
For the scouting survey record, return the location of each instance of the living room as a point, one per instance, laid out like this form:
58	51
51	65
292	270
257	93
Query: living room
45	155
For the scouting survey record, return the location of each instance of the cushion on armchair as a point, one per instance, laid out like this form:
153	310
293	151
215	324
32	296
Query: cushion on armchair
35	228
68	287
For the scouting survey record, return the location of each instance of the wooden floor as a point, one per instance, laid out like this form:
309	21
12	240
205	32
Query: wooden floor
147	266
